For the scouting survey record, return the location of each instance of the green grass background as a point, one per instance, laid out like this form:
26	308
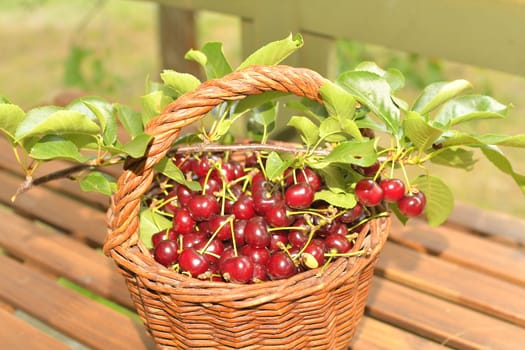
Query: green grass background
117	48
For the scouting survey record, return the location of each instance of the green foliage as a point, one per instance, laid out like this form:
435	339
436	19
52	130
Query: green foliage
335	135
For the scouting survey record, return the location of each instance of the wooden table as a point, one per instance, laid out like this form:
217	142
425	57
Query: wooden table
459	286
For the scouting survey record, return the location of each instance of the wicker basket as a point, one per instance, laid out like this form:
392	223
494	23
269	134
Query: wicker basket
306	311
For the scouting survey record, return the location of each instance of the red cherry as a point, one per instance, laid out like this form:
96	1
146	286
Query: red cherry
412	204
162	236
257	255
393	189
256	232
193	262
213	251
238	269
338	242
280	266
243	208
166	252
352	215
219	226
278	217
203	207
368	192
299	196
184	194
183	222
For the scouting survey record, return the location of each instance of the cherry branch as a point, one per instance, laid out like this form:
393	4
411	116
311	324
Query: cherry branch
31	182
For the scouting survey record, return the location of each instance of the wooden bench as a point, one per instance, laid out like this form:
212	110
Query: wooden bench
458	286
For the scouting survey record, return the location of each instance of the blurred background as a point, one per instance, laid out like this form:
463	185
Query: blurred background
53	50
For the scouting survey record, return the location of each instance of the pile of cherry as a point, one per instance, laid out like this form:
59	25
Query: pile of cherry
243	228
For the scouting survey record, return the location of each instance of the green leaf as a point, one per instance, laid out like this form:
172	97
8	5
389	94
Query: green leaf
350	127
104	112
151	222
137	146
5	100
56	147
421	133
393	76
47	120
334	179
455	157
437	93
353	152
179	83
496	157
306	128
337	101
262	119
465	108
166	167
98	182
274	52
308	108
130	120
253	101
440	200
330	130
374	92
342	200
211	58
459	138
152	104
10	117
275	166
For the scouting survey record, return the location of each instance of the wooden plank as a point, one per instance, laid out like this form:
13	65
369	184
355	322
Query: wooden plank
63	256
495	224
57	210
373	334
17	334
462	248
453	282
442	321
71	313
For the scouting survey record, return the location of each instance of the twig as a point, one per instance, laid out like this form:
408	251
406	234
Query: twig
29	182
251	147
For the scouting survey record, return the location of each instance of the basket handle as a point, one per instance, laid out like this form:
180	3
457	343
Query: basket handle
123	213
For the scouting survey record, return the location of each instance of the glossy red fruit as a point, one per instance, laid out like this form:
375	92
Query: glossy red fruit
278	217
352	215
219	227
184	194
412	204
213	252
264	200
203	207
310	177
162	236
299	196
338	242
183	222
316	249
166	252
393	189
238	269
243	208
280	266
260	273
256	255
193	262
256	232
368	192
192	239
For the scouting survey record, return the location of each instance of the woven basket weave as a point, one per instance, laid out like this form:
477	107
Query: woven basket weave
307	311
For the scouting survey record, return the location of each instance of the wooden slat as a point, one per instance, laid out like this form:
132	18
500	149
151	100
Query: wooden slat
57	210
495	224
63	256
453	282
376	335
463	248
442	321
71	313
17	334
